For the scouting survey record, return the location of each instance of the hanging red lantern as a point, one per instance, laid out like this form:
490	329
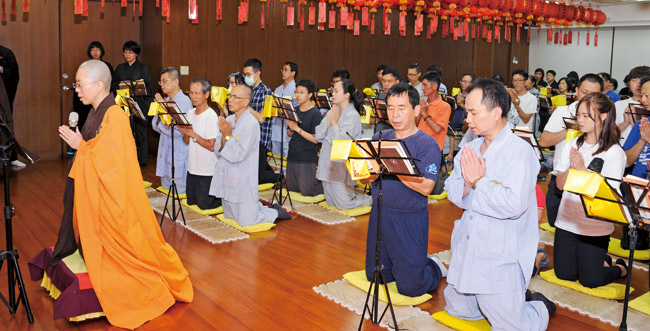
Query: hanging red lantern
589	16
580	14
600	18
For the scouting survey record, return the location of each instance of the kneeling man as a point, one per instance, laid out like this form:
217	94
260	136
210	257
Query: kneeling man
405	218
495	241
235	175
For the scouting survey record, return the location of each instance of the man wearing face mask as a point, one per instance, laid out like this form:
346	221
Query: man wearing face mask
252	77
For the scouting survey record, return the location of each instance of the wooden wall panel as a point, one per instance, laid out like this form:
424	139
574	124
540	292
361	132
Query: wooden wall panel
34	39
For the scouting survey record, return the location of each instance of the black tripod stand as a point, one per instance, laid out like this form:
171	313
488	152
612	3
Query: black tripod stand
395	161
14	276
173	190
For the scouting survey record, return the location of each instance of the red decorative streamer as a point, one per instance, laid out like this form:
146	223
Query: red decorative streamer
219	10
549	35
123	4
322	12
312	14
518	33
140	8
570	36
290	15
372	25
4	11
596	39
332	19
13	7
587	37
344	16
262	19
302	19
528	33
25	6
84	8
357	27
402	23
364	16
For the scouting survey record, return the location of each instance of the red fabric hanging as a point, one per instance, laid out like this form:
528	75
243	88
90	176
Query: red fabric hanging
312	14
364	16
596	39
219	10
13	7
4	10
587	37
372	25
26	6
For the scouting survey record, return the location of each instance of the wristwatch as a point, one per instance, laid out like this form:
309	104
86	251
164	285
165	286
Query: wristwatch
196	138
227	138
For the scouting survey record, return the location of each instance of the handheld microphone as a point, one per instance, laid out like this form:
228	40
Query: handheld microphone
73	120
596	165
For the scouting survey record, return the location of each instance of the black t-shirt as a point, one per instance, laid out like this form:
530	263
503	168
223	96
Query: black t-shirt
300	149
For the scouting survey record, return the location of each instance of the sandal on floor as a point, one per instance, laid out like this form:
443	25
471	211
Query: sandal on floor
545	261
622	263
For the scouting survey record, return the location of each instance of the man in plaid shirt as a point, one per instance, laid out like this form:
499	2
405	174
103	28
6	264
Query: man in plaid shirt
252	77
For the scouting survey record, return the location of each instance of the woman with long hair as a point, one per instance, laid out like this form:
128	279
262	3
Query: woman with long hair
581	243
341	122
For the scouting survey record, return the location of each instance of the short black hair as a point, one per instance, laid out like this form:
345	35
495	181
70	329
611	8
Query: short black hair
254	63
239	78
605	76
401	88
432	77
592	78
341	73
540	70
494	95
469	74
614	82
639	72
626	79
415	66
292	66
436	68
521	72
498	78
573	74
308	84
132	46
643	81
173	72
381	67
531	78
552	72
205	83
391	71
96	44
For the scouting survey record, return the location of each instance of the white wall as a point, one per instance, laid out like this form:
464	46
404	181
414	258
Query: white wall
623	43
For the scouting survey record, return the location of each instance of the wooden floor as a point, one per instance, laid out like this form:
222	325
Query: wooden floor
261	283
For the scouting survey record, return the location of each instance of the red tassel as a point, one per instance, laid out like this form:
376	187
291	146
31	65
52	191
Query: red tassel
262	18
372	25
489	36
302	19
549	35
587	37
518	32
596	39
508	33
140	8
485	32
570	36
157	3
219	10
557	36
4	10
13	7
84	11
25	6
474	30
578	37
101	6
497	33
528	33
434	20
566	38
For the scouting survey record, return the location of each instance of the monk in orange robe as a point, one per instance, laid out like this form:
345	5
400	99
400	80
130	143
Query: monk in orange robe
136	275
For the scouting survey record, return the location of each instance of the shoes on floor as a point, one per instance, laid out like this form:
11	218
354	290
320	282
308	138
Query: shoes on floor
17	163
438	262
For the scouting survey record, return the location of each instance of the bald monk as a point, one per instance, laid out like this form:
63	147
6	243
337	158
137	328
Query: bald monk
136	275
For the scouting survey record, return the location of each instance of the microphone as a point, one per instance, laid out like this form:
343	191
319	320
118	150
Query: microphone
73	120
596	165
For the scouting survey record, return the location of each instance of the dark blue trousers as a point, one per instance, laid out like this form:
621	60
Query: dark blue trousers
404	241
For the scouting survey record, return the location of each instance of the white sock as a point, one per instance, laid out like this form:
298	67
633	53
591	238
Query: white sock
437	261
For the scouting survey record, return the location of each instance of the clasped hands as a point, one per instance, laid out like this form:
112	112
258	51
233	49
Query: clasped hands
72	138
472	167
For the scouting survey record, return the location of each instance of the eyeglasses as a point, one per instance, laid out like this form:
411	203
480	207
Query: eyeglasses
163	81
79	85
285	69
236	97
518	80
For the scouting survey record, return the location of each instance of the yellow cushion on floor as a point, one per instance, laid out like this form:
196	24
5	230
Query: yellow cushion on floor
196	208
440	196
249	228
613	291
641	303
461	324
166	191
616	249
147	184
265	186
358	279
296	196
350	212
547	227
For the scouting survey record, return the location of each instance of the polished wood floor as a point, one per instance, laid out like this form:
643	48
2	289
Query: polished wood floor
261	283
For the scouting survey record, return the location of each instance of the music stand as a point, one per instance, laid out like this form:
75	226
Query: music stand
133	107
606	204
171	109
397	161
323	100
135	87
14	276
287	112
529	137
637	111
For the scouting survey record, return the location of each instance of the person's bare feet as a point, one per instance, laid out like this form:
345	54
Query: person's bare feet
621	264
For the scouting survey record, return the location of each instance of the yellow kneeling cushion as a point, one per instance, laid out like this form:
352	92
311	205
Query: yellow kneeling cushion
166	192
358	279
547	227
147	184
613	291
248	228
349	212
616	249
440	196
296	196
264	187
196	208
461	324
641	303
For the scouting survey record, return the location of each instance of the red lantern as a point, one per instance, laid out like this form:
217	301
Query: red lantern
580	15
589	16
600	18
550	12
570	13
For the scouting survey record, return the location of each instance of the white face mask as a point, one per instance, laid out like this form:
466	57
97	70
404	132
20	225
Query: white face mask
249	80
229	87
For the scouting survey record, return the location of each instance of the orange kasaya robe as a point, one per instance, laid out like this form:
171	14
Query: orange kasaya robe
136	275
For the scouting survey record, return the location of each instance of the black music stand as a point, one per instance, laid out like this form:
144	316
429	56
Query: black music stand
396	161
637	111
635	200
286	112
14	276
171	109
529	137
